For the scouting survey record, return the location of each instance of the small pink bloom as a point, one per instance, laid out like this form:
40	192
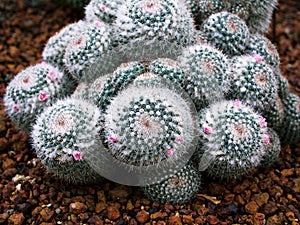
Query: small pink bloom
53	76
170	152
207	130
258	57
44	63
113	138
102	7
179	139
43	96
238	103
77	155
15	107
266	138
263	121
97	23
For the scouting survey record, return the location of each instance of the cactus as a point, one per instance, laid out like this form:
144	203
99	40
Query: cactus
275	115
283	86
290	130
86	48
102	10
153	28
272	151
240	8
234	137
177	188
227	32
62	134
206	79
209	7
149	123
32	90
54	50
253	82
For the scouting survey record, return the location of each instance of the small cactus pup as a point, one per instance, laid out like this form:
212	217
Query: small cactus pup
260	15
102	10
290	130
61	136
151	123
263	49
206	77
54	50
234	138
87	49
227	32
272	151
152	29
32	90
178	188
253	82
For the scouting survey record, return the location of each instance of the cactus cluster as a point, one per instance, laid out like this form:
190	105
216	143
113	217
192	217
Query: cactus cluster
165	91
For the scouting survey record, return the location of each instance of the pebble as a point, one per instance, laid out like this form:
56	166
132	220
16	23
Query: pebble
269	208
3	217
158	215
251	207
16	219
142	216
261	198
129	205
46	214
120	193
213	220
113	213
174	220
100	206
259	219
77	208
187	219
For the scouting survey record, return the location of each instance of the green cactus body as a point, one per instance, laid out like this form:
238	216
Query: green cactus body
61	135
206	78
120	79
275	115
260	15
152	29
168	69
149	123
234	137
209	7
290	130
239	8
178	188
87	48
102	10
253	82
263	47
272	151
32	90
282	84
54	50
81	91
193	6
227	32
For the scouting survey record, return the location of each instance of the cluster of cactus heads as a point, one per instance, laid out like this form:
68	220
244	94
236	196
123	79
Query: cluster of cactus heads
194	84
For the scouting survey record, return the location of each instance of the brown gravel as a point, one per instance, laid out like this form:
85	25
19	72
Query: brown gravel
28	195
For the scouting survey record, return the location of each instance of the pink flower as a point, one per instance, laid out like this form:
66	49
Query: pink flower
263	121
43	96
77	155
15	107
102	7
53	76
238	103
113	138
44	63
207	130
258	57
170	152
97	23
179	139
266	138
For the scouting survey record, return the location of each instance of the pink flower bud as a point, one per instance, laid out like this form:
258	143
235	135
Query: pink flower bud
263	121
43	96
237	103
179	139
113	138
15	107
258	57
77	155
170	152
44	63
102	7
207	130
266	138
53	76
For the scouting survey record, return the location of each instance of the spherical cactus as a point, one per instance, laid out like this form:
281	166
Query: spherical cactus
88	47
240	8
260	15
262	48
177	188
54	50
81	91
32	90
209	7
272	151
253	82
113	84
290	130
153	29
150	123
206	78
61	136
275	115
102	10
227	32
234	138
283	86
168	69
